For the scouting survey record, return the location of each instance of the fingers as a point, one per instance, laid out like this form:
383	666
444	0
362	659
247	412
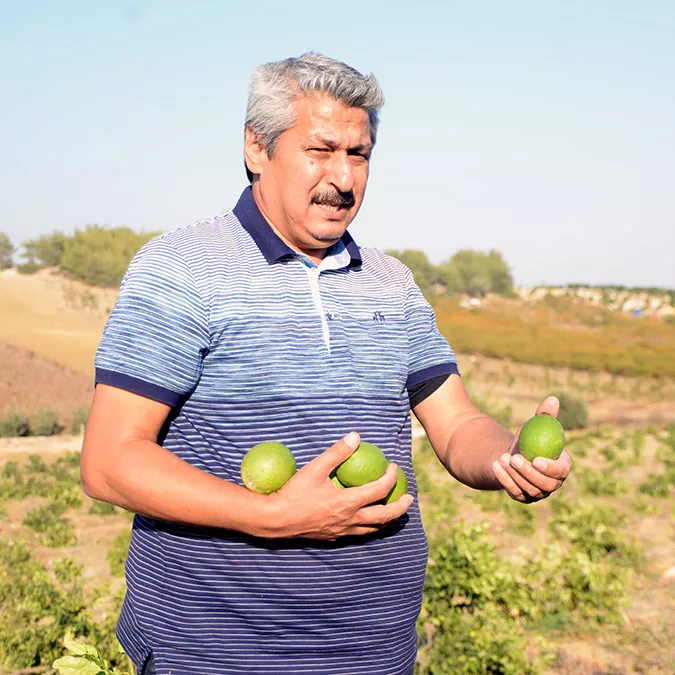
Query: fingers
381	514
555	468
550	405
526	481
335	455
516	487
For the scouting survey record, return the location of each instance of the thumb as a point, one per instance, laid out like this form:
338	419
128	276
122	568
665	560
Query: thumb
335	455
549	406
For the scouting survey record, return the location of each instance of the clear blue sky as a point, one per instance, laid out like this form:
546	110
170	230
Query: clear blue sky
542	128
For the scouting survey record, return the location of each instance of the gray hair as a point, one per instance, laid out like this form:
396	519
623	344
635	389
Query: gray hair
275	86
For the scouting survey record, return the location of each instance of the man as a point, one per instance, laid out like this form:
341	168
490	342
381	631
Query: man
269	323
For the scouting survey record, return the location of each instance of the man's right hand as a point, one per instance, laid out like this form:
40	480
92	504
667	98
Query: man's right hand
123	464
311	506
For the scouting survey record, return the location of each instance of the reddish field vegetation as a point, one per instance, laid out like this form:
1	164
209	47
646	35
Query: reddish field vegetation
29	383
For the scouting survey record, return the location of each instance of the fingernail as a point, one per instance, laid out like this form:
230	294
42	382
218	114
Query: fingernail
539	464
495	466
517	461
505	459
410	499
352	439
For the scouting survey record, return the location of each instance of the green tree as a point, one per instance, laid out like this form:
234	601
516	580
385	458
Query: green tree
478	273
46	251
425	272
451	278
501	279
100	256
7	251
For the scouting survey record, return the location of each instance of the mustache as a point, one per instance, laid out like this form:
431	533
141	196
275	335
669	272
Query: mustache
333	198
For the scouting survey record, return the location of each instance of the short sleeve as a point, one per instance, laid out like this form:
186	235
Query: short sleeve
157	334
430	355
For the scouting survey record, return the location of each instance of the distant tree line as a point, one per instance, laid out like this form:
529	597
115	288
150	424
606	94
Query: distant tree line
96	255
467	271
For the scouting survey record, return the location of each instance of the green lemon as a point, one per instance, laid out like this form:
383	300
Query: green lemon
336	481
366	464
267	467
399	489
541	436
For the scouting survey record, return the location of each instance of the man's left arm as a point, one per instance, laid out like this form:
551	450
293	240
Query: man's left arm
481	453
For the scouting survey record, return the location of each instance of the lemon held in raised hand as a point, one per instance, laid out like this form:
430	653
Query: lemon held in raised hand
267	467
541	436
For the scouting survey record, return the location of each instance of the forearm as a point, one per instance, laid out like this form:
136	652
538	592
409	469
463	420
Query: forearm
473	446
143	477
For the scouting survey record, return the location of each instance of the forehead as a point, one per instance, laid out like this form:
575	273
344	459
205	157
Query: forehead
325	116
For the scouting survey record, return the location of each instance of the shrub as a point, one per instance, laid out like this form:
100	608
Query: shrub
595	530
30	267
656	485
54	531
79	420
45	422
36	465
36	608
117	554
463	643
601	483
14	425
99	508
573	410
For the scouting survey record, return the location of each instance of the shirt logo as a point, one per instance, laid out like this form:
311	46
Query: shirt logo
378	317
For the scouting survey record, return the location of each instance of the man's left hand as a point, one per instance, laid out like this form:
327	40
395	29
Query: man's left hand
527	481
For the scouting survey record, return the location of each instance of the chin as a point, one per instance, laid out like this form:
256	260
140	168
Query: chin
328	230
327	235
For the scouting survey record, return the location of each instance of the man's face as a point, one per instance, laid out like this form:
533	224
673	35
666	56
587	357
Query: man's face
313	186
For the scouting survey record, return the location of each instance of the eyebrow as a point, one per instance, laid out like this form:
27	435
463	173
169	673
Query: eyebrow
332	144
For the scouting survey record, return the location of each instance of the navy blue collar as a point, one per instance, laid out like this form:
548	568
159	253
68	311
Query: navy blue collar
270	244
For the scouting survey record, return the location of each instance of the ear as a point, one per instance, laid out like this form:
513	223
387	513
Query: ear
255	155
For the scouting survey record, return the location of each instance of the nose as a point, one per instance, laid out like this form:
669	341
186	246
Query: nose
341	172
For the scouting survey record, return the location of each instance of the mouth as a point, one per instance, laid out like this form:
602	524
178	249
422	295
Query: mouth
335	210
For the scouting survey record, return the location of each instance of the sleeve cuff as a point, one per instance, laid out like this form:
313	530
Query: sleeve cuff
449	368
140	387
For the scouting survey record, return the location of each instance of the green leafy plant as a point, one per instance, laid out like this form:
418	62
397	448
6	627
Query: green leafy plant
117	553
573	412
602	483
45	422
54	530
79	420
99	508
656	485
36	608
83	659
14	425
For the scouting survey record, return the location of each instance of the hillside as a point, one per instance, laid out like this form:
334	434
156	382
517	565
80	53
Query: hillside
54	317
29	382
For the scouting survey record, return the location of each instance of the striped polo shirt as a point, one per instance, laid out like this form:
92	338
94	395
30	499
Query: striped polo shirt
251	341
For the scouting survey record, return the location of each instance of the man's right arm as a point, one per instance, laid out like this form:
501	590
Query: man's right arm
123	464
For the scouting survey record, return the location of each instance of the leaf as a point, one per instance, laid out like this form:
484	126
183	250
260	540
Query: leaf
77	648
76	665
